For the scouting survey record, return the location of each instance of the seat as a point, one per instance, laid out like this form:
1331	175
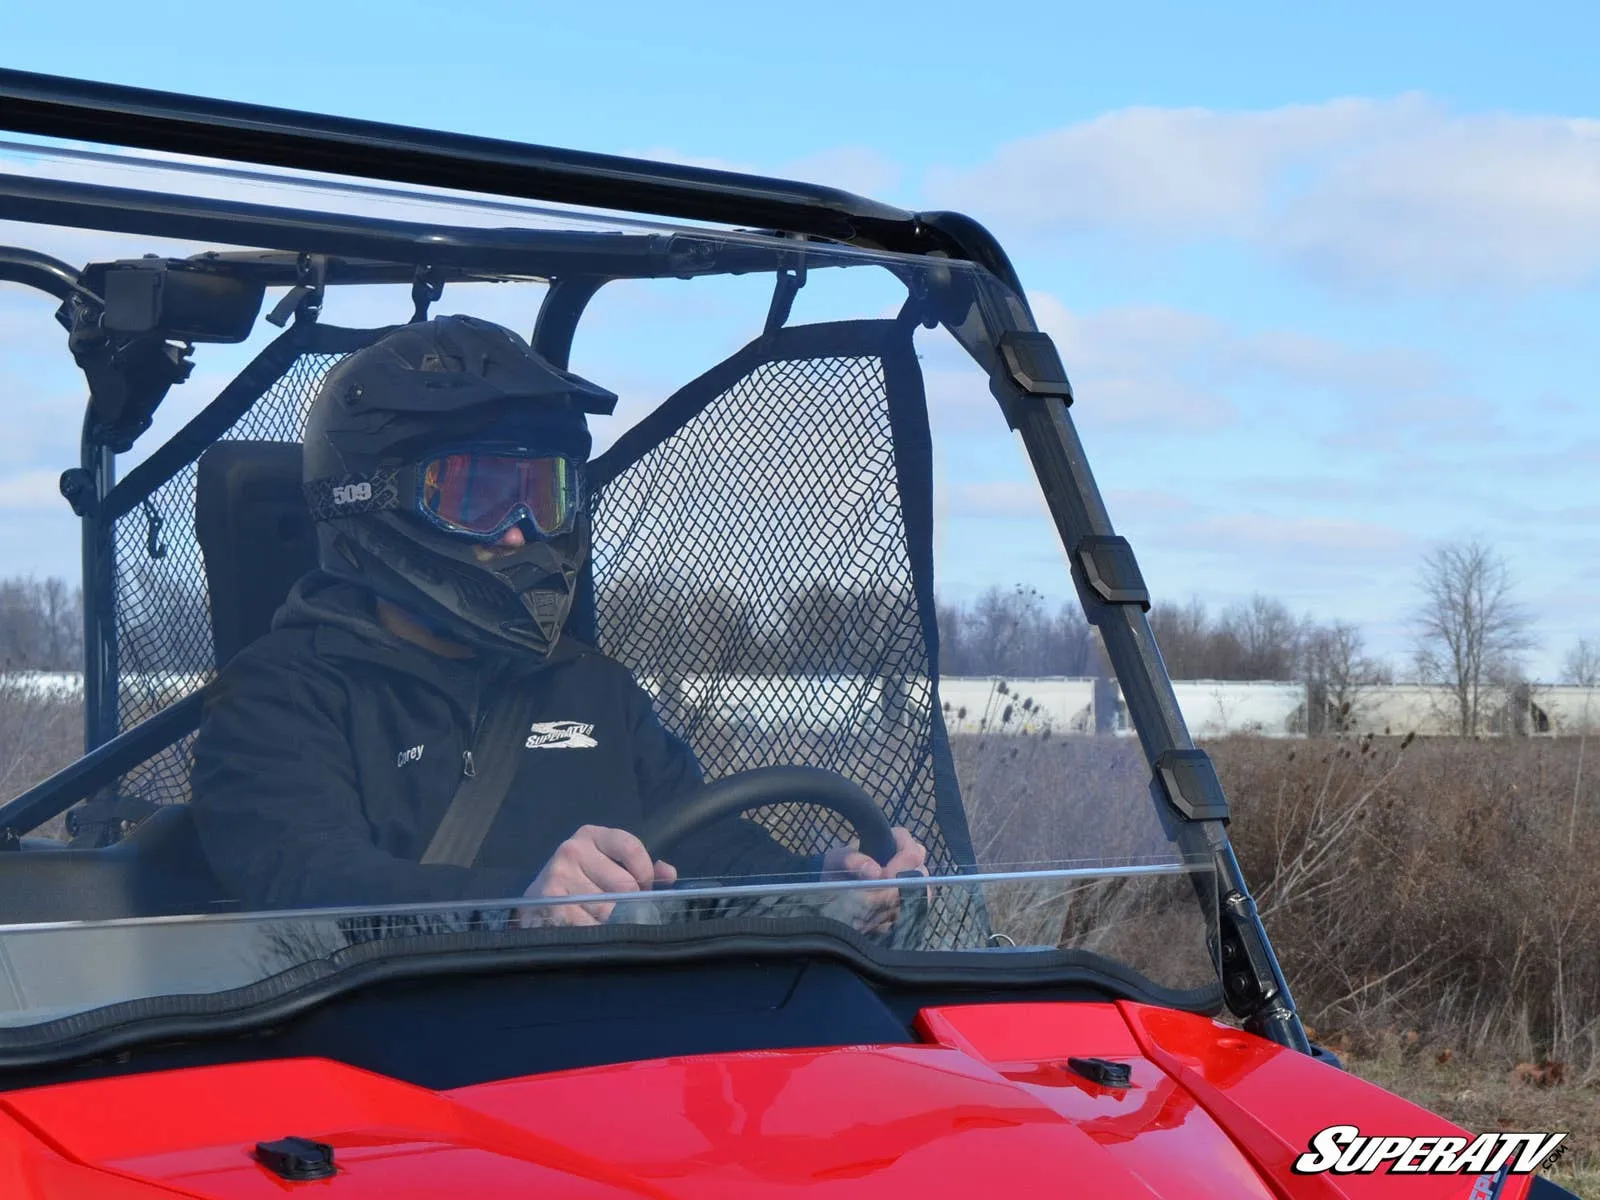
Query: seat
255	533
256	539
157	870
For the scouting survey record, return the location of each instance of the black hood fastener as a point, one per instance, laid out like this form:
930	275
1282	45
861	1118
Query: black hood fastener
296	1158
1102	1071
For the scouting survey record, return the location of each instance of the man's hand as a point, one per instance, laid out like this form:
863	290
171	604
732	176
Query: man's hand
873	911
593	860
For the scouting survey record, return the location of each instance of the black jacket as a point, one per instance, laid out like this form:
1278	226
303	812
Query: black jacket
332	749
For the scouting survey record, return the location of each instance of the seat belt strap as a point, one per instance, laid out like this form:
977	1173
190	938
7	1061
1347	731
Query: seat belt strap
496	755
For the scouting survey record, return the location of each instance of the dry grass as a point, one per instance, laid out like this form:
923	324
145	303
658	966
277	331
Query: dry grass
39	734
1448	887
1436	905
1437	910
1051	801
1484	1096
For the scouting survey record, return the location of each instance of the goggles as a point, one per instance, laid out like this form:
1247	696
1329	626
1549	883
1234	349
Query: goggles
477	494
482	495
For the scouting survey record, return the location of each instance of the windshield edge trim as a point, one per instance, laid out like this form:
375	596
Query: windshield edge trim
707	892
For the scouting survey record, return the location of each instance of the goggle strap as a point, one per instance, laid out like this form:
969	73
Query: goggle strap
353	495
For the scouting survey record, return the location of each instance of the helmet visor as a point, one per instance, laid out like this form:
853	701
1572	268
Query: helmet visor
483	495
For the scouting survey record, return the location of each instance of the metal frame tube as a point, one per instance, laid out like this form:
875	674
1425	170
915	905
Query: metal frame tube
100	701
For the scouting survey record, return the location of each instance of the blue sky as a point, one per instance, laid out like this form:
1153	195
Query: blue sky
1325	277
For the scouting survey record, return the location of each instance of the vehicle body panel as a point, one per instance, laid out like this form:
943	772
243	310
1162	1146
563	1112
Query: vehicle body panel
986	1105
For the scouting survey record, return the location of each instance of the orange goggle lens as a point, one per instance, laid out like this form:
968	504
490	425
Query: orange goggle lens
484	495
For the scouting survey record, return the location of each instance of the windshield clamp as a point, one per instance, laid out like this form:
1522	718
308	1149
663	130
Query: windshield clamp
1032	362
791	278
1248	984
1189	779
426	288
304	300
1111	570
1103	1071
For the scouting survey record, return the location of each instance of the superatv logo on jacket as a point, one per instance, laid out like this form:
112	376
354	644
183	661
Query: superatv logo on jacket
560	735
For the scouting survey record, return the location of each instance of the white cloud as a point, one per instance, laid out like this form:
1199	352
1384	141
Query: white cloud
1266	531
1160	368
1157	170
1444	200
1391	195
995	498
37	490
1145	504
855	169
1129	366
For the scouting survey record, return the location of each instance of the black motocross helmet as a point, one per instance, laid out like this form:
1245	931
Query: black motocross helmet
422	451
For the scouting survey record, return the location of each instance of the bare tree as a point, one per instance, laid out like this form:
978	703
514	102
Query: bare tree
1014	633
817	628
1582	665
1470	631
1267	636
1259	639
1185	636
41	625
1338	674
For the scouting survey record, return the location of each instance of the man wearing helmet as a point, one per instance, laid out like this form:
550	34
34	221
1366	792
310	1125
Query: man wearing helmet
337	763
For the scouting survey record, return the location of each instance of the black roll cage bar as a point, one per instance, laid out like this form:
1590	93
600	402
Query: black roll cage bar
994	325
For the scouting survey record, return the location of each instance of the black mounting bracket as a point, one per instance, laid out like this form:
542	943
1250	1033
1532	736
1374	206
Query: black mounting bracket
1112	571
128	377
1034	365
1189	779
78	486
1248	978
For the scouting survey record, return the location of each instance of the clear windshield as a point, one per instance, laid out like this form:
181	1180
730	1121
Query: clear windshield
808	662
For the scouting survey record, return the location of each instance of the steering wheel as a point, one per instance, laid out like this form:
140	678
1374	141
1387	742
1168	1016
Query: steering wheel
735	794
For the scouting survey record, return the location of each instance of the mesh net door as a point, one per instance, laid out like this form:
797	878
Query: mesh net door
763	563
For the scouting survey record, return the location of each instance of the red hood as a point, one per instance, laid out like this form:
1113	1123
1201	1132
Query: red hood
984	1107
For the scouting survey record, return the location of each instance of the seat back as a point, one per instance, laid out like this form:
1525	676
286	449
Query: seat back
157	870
256	536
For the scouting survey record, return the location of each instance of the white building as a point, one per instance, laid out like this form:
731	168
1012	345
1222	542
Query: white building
1562	709
1215	708
974	705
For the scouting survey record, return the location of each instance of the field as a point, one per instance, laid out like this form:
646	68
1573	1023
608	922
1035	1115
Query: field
1436	905
1437	910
